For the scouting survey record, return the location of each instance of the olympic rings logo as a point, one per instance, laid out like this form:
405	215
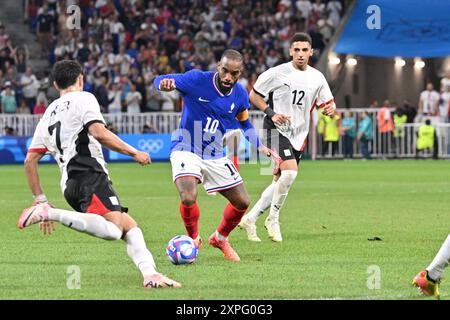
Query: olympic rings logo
150	145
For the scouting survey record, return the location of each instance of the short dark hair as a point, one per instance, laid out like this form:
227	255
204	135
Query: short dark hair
428	122
232	55
66	72
302	37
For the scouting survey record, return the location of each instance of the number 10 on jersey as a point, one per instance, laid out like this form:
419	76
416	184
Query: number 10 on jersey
211	125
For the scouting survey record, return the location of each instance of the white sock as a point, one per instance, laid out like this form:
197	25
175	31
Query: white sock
442	259
280	192
262	204
89	223
220	237
138	252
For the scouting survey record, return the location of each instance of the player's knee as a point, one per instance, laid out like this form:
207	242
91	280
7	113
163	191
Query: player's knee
128	223
245	203
115	233
242	203
188	198
287	177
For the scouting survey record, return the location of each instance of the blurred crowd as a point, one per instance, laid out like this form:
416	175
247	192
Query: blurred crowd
19	87
124	44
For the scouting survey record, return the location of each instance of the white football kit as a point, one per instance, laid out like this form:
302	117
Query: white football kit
215	174
294	93
63	132
430	100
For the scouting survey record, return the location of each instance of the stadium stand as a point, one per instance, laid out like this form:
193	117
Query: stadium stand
123	45
130	42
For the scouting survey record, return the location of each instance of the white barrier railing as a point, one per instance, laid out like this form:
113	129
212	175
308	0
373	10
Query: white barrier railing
167	122
397	147
23	124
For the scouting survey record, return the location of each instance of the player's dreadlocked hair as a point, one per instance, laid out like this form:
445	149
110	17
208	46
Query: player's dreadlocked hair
66	72
302	37
232	55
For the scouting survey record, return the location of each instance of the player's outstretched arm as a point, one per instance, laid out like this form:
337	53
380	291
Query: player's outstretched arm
32	174
183	82
250	134
113	142
261	104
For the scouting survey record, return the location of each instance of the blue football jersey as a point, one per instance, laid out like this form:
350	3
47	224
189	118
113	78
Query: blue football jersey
207	113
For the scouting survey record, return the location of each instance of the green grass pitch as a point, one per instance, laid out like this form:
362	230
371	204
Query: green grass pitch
332	210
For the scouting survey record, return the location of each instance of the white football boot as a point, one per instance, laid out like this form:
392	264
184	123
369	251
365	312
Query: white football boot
273	229
250	228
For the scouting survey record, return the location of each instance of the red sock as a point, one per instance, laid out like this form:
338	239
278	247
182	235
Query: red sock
190	215
231	217
236	162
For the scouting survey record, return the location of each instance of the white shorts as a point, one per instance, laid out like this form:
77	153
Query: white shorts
216	174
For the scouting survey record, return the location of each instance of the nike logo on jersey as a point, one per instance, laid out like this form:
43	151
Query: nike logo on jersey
202	100
231	108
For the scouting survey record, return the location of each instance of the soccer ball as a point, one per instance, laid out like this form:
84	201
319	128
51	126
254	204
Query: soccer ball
181	250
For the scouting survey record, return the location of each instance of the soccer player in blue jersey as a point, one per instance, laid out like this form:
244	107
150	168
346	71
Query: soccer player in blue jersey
213	103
